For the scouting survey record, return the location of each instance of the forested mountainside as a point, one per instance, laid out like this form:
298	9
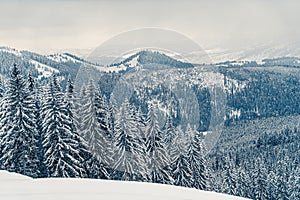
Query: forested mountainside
156	114
39	66
258	159
261	92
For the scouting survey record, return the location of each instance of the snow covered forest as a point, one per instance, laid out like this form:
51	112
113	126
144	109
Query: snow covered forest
46	131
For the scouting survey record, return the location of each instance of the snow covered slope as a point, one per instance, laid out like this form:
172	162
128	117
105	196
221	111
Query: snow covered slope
150	59
14	187
255	52
41	66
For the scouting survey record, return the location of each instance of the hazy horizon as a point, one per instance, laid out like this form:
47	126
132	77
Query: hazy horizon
52	26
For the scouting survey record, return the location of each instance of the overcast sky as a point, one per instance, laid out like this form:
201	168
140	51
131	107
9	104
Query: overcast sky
50	25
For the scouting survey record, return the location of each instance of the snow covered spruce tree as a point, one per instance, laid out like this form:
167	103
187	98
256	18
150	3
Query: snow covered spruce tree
94	128
141	123
62	148
229	178
169	132
35	90
159	160
181	168
294	184
19	134
2	117
129	149
282	175
78	102
2	89
112	112
70	104
260	184
197	160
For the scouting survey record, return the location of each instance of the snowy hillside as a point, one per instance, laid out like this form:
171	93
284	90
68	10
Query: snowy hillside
255	53
10	51
36	64
45	70
41	66
69	58
14	187
150	59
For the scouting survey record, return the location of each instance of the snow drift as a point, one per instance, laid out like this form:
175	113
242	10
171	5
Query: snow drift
14	187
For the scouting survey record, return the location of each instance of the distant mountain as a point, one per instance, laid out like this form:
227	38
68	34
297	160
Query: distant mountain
151	60
256	101
245	82
39	66
255	53
254	90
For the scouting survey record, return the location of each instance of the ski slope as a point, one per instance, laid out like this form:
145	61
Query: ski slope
17	187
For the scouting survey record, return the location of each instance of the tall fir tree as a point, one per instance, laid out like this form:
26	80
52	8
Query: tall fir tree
19	143
260	184
35	90
139	127
129	151
229	182
30	83
94	130
294	184
78	102
169	132
103	115
70	108
62	156
2	117
272	186
113	110
159	159
244	183
282	175
140	123
197	160
2	89
181	168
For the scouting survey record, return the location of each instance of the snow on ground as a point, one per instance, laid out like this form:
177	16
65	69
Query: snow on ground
17	187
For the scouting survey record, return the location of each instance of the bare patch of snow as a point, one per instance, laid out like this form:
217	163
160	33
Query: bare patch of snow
78	189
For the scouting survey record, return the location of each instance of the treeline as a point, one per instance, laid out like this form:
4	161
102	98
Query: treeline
45	132
257	94
263	166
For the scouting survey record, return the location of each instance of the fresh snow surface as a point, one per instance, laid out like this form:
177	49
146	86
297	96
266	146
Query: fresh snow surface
17	187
